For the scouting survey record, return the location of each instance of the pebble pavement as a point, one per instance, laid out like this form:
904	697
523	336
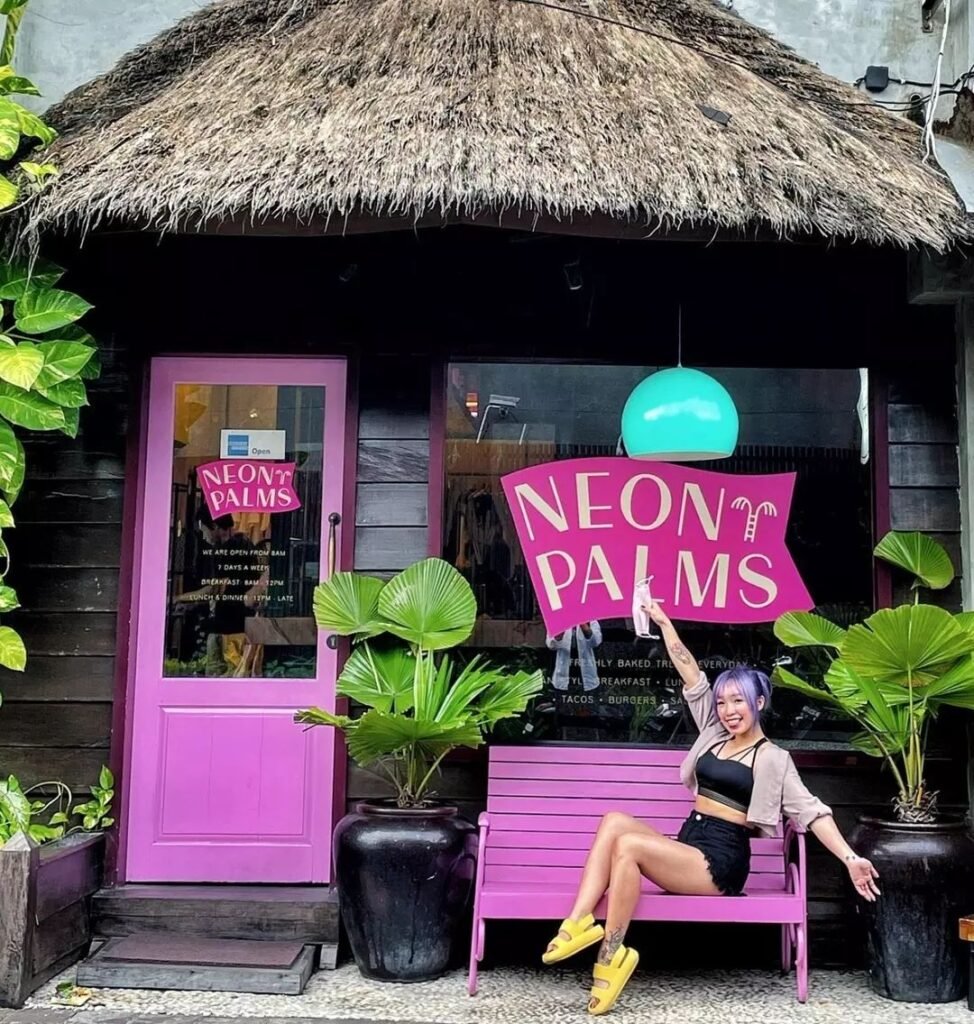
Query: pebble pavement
510	995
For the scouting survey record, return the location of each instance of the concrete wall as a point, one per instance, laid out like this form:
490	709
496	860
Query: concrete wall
66	42
845	36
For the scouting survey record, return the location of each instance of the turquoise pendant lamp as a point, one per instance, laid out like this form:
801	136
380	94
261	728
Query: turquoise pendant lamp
680	415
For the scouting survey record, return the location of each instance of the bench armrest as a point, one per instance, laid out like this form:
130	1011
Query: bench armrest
484	822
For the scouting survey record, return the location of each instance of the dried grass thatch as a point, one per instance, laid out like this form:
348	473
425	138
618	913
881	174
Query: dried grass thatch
310	109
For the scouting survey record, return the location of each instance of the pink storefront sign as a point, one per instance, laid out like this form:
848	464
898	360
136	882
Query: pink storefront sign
713	544
250	485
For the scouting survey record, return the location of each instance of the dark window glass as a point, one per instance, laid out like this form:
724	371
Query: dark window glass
505	416
241	583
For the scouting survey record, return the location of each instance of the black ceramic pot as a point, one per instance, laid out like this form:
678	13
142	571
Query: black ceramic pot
926	876
404	880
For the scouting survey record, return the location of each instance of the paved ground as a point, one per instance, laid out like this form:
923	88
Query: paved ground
510	995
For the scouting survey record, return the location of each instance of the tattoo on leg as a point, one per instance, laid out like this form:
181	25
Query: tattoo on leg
680	653
610	945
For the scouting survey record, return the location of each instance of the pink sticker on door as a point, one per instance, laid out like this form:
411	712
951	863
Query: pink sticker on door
248	485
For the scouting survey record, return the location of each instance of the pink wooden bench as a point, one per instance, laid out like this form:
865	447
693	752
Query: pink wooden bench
544	804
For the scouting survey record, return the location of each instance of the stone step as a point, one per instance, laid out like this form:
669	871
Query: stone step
305	914
195	964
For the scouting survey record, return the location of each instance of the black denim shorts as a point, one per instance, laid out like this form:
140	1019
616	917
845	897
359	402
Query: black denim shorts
726	846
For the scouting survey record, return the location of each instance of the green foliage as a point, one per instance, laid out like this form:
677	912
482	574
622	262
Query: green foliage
45	356
45	820
893	672
422	703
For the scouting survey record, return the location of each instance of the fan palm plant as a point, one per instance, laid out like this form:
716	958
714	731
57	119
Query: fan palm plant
421	703
893	672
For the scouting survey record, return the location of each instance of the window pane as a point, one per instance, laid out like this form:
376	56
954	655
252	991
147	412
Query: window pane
505	416
245	533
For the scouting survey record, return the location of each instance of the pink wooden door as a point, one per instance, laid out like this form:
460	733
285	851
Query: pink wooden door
244	464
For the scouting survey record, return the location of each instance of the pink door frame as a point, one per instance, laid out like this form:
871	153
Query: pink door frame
340	417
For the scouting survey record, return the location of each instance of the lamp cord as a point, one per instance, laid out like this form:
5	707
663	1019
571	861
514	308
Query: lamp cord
679	336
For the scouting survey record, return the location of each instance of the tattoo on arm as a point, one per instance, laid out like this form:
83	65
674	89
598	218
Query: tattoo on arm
610	944
681	654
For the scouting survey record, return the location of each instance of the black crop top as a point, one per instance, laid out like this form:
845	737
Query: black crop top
727	780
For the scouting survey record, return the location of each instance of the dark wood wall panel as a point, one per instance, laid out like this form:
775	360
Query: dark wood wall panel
927	423
56	719
407	504
58	679
393	461
49	589
391	507
923	468
923	465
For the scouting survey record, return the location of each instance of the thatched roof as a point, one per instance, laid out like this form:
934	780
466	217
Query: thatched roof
309	109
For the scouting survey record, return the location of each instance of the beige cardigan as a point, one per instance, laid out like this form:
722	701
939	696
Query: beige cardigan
778	788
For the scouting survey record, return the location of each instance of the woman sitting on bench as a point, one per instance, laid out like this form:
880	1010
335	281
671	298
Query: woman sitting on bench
743	784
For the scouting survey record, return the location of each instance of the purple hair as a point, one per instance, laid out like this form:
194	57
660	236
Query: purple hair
751	683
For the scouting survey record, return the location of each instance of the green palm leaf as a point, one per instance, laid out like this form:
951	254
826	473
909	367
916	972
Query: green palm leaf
789	681
917	554
429	604
379	679
955	687
348	604
909	645
318	716
508	695
381	735
433	682
805	629
457	703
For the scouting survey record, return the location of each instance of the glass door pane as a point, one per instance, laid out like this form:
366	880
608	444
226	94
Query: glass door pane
244	548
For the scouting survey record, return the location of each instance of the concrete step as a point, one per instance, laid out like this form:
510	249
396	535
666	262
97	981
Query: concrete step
191	963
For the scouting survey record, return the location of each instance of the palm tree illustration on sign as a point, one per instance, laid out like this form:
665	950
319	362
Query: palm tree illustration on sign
766	508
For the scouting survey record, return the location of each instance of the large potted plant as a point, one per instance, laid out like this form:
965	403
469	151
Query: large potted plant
891	674
404	865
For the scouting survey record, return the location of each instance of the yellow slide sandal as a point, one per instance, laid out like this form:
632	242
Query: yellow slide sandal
616	974
584	933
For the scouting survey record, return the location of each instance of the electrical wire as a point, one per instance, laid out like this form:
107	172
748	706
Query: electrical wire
929	142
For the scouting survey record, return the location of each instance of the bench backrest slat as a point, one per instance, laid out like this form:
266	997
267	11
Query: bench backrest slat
545	804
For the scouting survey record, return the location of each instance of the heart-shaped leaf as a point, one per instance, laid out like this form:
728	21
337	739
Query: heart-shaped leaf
16	275
40	310
13	654
9	192
63	360
11	455
71	394
11	489
8	598
30	410
21	365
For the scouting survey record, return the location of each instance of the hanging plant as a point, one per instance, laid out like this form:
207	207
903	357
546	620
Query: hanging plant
45	355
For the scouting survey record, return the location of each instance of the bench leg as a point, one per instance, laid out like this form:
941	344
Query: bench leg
476	955
801	961
787	951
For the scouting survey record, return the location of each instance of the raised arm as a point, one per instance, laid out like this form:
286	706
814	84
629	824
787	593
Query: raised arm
684	662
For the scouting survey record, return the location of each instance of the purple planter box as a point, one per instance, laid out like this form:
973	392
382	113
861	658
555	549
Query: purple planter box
45	894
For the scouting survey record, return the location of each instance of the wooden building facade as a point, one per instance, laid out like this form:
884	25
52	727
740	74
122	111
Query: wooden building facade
499	299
